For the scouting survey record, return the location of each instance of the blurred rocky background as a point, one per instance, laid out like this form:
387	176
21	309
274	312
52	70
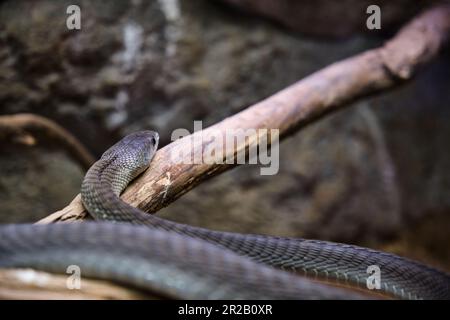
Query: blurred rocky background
376	173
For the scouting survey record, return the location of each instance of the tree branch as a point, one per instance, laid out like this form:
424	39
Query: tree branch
31	284
27	128
288	110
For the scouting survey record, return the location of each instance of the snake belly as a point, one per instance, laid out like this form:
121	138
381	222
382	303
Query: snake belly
207	263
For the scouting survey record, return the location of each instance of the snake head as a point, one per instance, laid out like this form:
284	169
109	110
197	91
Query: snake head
135	151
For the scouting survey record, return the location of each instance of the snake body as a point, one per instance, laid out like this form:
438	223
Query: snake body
182	261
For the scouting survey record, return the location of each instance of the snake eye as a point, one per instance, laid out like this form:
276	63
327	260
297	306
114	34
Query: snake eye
154	138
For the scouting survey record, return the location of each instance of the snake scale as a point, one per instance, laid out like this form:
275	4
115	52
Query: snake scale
174	260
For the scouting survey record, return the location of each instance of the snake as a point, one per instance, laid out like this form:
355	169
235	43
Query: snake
173	260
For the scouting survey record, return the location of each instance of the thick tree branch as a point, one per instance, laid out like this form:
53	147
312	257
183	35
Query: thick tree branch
288	110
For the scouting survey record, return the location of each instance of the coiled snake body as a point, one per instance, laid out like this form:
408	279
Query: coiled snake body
180	261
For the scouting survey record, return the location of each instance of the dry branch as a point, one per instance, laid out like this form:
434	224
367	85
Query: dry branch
288	110
30	129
